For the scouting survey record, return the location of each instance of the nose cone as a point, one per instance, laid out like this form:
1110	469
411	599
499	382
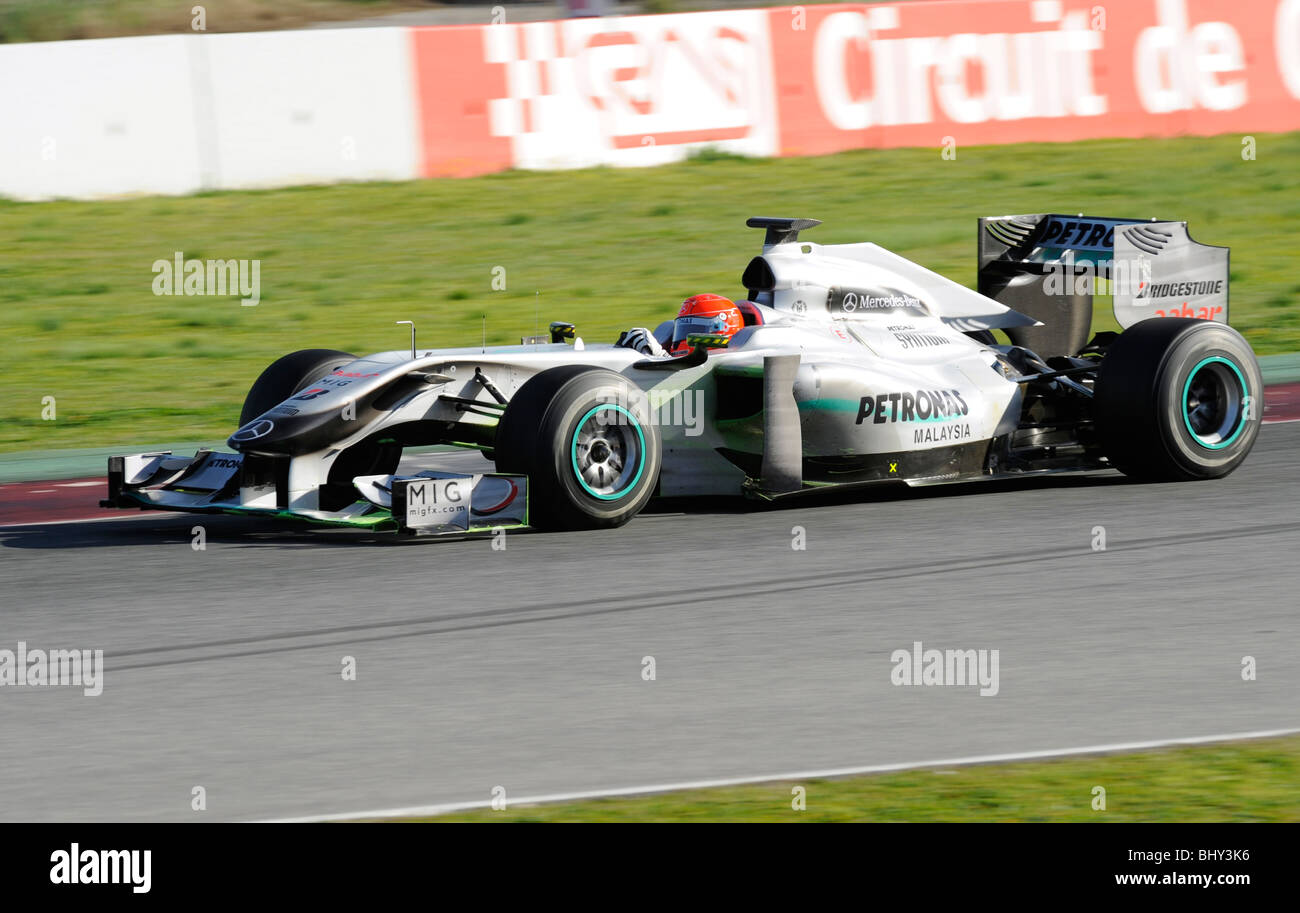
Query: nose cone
280	435
291	432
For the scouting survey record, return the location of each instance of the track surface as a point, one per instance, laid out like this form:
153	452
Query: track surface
478	668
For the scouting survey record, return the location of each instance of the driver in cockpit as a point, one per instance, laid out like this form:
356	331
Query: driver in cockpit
700	315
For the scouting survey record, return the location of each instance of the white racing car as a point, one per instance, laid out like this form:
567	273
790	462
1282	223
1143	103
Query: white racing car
851	366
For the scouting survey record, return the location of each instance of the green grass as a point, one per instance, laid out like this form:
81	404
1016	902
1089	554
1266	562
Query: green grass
603	248
1245	781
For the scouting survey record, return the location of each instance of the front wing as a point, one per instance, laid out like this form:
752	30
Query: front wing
423	503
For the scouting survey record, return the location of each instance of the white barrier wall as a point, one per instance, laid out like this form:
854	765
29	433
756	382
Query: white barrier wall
177	114
96	118
311	107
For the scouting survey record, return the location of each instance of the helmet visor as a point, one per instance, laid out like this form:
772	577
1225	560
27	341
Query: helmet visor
698	324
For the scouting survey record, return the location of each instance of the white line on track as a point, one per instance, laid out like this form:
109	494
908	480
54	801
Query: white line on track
424	811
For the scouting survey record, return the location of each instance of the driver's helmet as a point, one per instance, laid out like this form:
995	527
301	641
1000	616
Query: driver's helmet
705	315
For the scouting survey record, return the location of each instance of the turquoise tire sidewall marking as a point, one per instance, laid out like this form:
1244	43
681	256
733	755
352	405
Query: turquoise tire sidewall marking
1245	393
573	453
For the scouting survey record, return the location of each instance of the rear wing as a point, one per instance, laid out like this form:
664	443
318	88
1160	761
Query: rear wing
1050	266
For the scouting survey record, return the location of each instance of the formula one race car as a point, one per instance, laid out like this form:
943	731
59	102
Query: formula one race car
853	366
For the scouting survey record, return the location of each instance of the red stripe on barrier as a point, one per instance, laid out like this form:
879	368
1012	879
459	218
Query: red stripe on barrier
681	136
454	85
988	72
819	79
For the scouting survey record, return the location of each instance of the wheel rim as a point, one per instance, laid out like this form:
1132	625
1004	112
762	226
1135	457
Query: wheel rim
608	452
1214	400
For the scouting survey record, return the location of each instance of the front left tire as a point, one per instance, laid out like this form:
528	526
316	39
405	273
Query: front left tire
287	375
584	438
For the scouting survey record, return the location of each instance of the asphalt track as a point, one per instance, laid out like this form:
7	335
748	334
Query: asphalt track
523	668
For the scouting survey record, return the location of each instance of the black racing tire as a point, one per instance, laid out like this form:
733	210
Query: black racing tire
1178	399
585	439
286	376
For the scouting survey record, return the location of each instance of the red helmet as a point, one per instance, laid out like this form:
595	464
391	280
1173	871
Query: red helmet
705	315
